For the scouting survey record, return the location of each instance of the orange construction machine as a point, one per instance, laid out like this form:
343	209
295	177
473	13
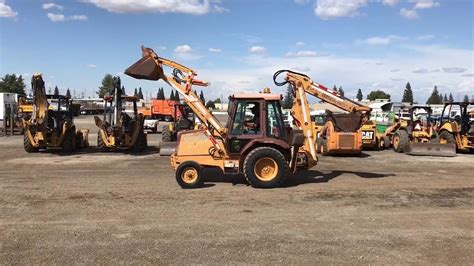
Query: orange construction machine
162	110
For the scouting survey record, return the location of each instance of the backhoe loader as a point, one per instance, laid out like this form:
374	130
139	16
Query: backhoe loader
456	127
416	136
50	125
341	133
254	142
119	130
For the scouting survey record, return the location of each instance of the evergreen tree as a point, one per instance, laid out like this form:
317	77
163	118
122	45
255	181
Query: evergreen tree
161	94
140	93
107	86
334	88
176	96
13	84
288	100
341	91
445	98
56	90
451	99
210	105
68	93
408	94
466	98
359	95
135	93
123	90
435	97
201	96
378	94
172	95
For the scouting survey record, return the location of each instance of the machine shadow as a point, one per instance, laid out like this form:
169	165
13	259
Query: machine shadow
304	177
94	150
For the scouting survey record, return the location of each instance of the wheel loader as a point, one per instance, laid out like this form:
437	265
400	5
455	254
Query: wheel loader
456	127
417	136
50	125
119	130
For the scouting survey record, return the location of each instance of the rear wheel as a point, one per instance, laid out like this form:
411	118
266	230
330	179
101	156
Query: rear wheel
189	175
446	138
401	141
69	143
165	134
265	167
141	143
100	143
28	146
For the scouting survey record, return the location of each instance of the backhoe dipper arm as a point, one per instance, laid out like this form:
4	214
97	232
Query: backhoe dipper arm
302	85
183	78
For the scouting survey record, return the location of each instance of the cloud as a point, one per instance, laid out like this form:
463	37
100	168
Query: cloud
301	2
304	54
454	69
77	17
183	49
257	49
215	50
56	17
300	44
389	2
6	11
425	37
396	79
91	66
193	7
424	4
467	75
421	71
380	40
302	68
330	9
395	70
408	13
51	5
61	18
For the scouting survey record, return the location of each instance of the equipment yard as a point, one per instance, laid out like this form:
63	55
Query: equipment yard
91	207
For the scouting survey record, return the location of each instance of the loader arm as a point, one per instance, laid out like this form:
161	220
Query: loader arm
150	67
302	85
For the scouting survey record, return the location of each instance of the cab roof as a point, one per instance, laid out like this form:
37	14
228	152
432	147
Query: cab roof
265	96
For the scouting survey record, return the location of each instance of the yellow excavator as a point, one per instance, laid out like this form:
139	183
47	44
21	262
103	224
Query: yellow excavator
254	142
119	130
50	125
341	133
456	126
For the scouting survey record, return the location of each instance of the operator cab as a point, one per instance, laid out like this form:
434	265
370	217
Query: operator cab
253	117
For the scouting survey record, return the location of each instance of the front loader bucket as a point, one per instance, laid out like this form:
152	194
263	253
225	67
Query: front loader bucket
433	149
147	67
167	148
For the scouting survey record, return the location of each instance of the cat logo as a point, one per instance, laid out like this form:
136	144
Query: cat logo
367	135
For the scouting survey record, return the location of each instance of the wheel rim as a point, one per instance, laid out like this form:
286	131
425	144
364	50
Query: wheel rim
396	141
266	169
189	175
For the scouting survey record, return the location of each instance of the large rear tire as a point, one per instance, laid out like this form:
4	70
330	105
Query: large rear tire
69	143
401	141
189	175
165	134
101	144
141	143
28	146
446	138
265	167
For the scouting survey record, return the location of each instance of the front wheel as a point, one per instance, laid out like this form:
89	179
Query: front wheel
28	145
265	167
189	175
401	141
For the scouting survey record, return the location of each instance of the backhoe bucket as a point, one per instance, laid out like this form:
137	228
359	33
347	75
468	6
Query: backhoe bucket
433	149
147	67
167	148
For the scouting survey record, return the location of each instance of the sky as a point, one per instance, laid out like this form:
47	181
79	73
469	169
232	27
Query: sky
237	45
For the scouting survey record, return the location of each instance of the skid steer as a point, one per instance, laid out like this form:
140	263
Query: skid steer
50	125
456	127
119	130
417	136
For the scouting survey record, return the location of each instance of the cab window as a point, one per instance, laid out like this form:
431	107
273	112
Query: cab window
275	127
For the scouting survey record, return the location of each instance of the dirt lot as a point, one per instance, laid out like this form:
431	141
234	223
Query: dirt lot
384	208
